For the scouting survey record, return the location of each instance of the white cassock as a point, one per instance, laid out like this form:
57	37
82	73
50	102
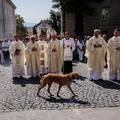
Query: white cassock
114	58
18	61
32	59
43	60
69	47
55	56
96	57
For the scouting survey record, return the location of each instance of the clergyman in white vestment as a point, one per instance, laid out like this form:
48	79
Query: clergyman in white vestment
95	52
114	56
32	58
17	54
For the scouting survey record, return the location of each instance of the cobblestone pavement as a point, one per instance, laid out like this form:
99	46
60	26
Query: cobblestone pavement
21	95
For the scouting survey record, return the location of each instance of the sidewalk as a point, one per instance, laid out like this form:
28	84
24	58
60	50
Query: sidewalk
77	114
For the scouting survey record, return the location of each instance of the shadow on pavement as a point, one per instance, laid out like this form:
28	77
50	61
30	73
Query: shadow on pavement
81	79
108	84
117	81
24	81
65	100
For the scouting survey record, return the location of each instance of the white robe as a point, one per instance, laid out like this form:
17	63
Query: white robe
32	59
96	57
43	63
55	59
18	61
114	58
68	51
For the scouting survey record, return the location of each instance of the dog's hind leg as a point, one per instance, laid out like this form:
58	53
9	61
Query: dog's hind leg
49	86
59	90
71	90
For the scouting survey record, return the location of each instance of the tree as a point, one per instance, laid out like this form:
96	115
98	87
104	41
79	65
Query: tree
20	28
55	20
80	8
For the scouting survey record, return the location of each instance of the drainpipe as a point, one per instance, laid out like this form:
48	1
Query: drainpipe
3	18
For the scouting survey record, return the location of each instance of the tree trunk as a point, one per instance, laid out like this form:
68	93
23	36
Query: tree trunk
63	21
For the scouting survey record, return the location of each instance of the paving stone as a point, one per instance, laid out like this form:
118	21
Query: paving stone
21	95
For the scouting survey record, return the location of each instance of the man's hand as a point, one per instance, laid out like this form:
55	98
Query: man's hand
34	49
68	45
118	48
17	52
54	50
97	46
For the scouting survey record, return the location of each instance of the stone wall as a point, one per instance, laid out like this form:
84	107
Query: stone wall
7	20
1	21
107	26
70	23
90	23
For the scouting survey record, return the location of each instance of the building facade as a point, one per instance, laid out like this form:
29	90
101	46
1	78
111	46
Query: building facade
7	20
44	27
106	17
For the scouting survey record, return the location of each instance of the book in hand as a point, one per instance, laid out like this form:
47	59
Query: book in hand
34	49
17	52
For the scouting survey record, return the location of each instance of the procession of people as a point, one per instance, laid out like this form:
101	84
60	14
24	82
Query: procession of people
41	57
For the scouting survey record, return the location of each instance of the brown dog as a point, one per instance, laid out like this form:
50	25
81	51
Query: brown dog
62	80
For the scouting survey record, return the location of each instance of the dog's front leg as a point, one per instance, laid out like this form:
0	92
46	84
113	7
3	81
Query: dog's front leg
49	86
58	91
39	88
71	90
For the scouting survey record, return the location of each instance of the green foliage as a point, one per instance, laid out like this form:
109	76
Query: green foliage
20	28
81	5
55	20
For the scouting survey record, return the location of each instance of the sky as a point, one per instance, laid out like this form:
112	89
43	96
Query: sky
33	11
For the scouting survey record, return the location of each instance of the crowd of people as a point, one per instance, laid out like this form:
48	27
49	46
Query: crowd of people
41	56
96	49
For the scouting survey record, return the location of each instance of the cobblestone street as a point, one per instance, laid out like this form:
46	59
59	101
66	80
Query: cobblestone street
21	95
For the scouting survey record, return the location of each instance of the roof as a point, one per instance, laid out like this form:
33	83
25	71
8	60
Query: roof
11	3
43	24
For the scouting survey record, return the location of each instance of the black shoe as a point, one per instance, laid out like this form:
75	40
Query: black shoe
37	77
21	77
92	79
31	78
15	78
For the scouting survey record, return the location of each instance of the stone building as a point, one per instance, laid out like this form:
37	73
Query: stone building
107	18
43	27
7	19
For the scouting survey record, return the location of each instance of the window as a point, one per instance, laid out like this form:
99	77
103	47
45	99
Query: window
105	13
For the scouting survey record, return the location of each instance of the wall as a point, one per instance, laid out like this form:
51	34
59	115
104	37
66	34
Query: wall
1	21
7	20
